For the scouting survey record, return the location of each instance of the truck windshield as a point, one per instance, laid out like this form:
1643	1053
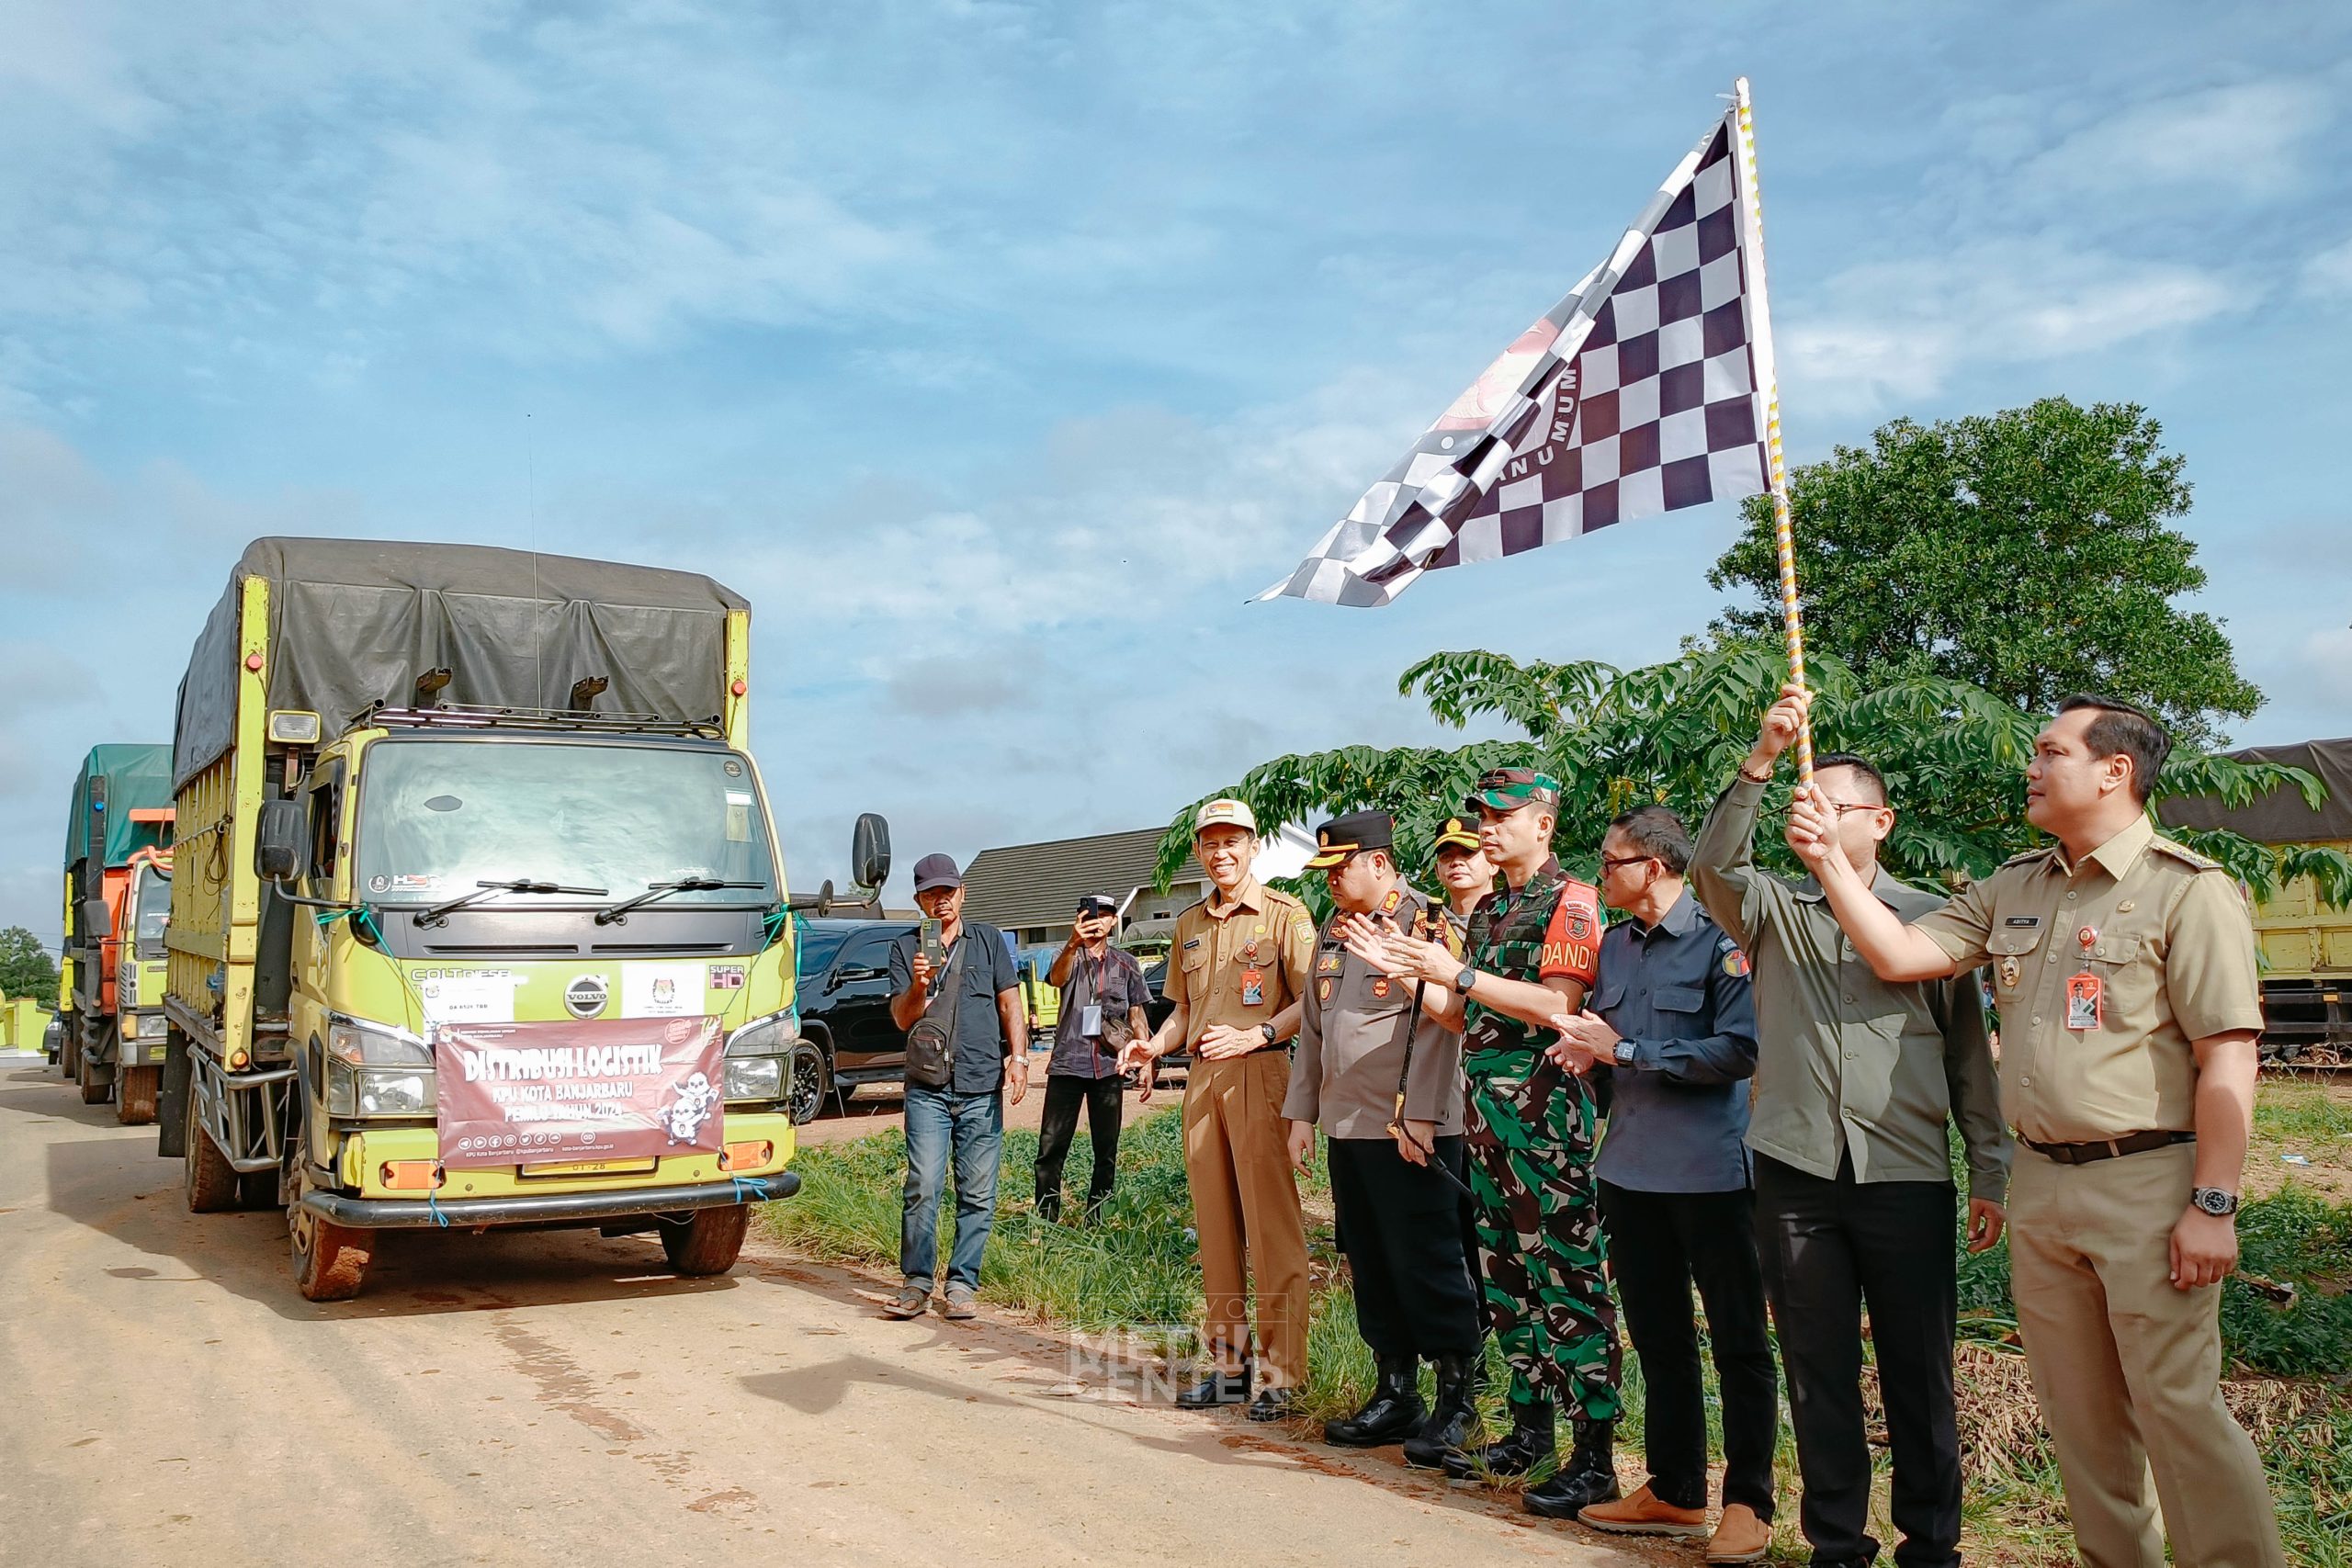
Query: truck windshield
153	908
437	817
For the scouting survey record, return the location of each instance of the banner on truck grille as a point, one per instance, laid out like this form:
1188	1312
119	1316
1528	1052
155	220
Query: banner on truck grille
555	1093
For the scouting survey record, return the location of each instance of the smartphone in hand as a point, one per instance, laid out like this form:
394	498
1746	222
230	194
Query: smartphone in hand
934	950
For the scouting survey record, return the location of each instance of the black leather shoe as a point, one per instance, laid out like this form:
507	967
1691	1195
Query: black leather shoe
1528	1444
1217	1388
1588	1477
1390	1415
1273	1404
1452	1420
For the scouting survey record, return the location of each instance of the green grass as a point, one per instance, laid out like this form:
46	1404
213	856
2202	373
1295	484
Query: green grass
2292	1112
1137	1267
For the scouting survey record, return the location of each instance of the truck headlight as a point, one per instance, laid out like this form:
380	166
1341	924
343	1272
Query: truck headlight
374	1069
769	1036
752	1077
364	1044
153	1026
395	1094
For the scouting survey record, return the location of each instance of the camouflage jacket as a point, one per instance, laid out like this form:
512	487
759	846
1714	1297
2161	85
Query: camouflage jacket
1550	927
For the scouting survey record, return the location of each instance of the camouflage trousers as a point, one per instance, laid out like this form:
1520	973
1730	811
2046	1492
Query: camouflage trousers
1538	1220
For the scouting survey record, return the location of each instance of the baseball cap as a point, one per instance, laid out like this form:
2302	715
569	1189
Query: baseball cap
1458	834
1343	836
936	871
1224	812
1508	789
1096	904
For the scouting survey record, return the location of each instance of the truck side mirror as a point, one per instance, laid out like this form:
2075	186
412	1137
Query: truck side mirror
95	921
869	851
285	832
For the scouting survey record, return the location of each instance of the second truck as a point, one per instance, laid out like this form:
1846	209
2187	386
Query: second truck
479	919
117	890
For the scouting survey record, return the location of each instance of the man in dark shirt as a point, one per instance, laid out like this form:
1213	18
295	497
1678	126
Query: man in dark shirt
979	1004
1103	998
1673	1022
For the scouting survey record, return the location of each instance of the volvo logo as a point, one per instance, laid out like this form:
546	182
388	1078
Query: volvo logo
585	996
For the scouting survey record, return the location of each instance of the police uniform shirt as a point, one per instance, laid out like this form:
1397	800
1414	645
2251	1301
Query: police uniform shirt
1259	931
1352	1040
2166	934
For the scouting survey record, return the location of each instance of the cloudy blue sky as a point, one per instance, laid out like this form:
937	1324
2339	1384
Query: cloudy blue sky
999	351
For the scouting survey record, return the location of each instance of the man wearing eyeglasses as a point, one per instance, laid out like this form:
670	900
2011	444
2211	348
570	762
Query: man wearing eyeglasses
1673	1024
1856	1080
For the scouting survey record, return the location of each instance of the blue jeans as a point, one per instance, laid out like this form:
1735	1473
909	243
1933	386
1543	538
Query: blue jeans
973	1124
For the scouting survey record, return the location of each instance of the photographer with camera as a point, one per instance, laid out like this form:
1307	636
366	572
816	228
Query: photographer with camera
1104	998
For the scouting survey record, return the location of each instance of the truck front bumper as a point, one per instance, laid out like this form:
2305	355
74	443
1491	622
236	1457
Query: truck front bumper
544	1208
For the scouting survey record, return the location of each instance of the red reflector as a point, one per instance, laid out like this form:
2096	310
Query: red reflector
741	686
412	1175
253	662
746	1156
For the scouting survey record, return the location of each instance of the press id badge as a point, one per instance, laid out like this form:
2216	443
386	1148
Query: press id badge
2086	1002
1090	1021
1253	988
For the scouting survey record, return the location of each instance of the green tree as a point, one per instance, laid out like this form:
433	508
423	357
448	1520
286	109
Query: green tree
26	968
2027	553
1954	754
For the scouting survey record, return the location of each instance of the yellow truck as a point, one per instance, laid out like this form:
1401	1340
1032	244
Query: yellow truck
479	919
2306	941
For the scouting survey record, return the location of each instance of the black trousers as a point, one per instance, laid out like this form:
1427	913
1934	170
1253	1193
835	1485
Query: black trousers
1064	1092
1660	1243
1828	1248
1400	1226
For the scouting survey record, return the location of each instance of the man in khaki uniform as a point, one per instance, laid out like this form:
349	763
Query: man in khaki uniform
2124	966
1235	974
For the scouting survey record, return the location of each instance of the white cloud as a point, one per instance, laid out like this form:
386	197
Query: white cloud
1888	332
2244	141
2328	275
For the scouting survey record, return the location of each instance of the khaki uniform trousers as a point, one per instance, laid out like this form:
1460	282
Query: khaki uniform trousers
2128	1369
1245	1206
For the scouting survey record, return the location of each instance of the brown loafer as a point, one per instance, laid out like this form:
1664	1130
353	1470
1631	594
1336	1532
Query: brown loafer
1740	1536
1645	1513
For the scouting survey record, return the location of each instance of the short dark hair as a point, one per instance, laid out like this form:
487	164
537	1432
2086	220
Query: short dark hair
1656	830
2123	730
1862	765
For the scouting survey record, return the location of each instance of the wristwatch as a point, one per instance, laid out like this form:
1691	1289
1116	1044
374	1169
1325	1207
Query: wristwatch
1625	1053
2213	1200
1268	1031
1467	979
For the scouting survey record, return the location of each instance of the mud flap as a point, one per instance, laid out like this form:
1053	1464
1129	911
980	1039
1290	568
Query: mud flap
171	1101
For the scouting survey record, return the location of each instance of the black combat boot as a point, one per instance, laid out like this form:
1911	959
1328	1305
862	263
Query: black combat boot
1588	1477
1528	1445
1451	1419
1389	1416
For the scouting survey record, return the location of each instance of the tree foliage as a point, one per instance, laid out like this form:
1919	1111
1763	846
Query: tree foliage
1954	757
2025	553
26	968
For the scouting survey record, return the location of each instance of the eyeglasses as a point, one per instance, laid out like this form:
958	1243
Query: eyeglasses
1611	862
1839	807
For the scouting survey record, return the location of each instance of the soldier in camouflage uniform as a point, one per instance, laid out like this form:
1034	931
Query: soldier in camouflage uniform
1534	948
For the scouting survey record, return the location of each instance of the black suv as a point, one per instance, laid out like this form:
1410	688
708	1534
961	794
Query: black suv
844	1001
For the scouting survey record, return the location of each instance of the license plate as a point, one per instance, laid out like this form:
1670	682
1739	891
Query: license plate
594	1167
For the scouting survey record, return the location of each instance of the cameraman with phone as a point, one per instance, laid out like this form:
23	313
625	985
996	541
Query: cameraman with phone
957	997
1104	996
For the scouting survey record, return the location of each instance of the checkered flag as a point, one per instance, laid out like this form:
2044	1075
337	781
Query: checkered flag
1637	394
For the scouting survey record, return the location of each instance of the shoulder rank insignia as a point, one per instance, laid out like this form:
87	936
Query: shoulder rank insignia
2183	853
1394	897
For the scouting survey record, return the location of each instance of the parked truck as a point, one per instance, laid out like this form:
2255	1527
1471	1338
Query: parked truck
479	919
2306	943
109	991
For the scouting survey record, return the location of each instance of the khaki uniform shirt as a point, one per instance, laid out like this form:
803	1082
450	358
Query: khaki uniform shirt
1220	943
2172	945
1850	1066
1352	1040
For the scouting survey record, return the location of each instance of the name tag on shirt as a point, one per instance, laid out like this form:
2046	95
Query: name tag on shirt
1090	1021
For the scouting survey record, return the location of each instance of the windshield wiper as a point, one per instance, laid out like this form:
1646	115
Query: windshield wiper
662	890
438	914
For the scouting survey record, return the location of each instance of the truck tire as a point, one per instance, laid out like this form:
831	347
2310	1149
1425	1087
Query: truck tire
330	1260
134	1094
68	1056
205	1176
710	1242
94	1089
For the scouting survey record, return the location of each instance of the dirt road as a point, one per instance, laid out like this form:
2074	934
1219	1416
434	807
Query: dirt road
165	1398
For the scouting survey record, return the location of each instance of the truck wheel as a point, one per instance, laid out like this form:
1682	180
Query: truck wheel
330	1260
134	1094
710	1243
807	1083
69	1058
205	1175
94	1089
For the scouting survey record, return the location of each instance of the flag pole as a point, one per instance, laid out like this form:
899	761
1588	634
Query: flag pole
1768	381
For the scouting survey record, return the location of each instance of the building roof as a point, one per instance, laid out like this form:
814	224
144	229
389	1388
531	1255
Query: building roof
1039	884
